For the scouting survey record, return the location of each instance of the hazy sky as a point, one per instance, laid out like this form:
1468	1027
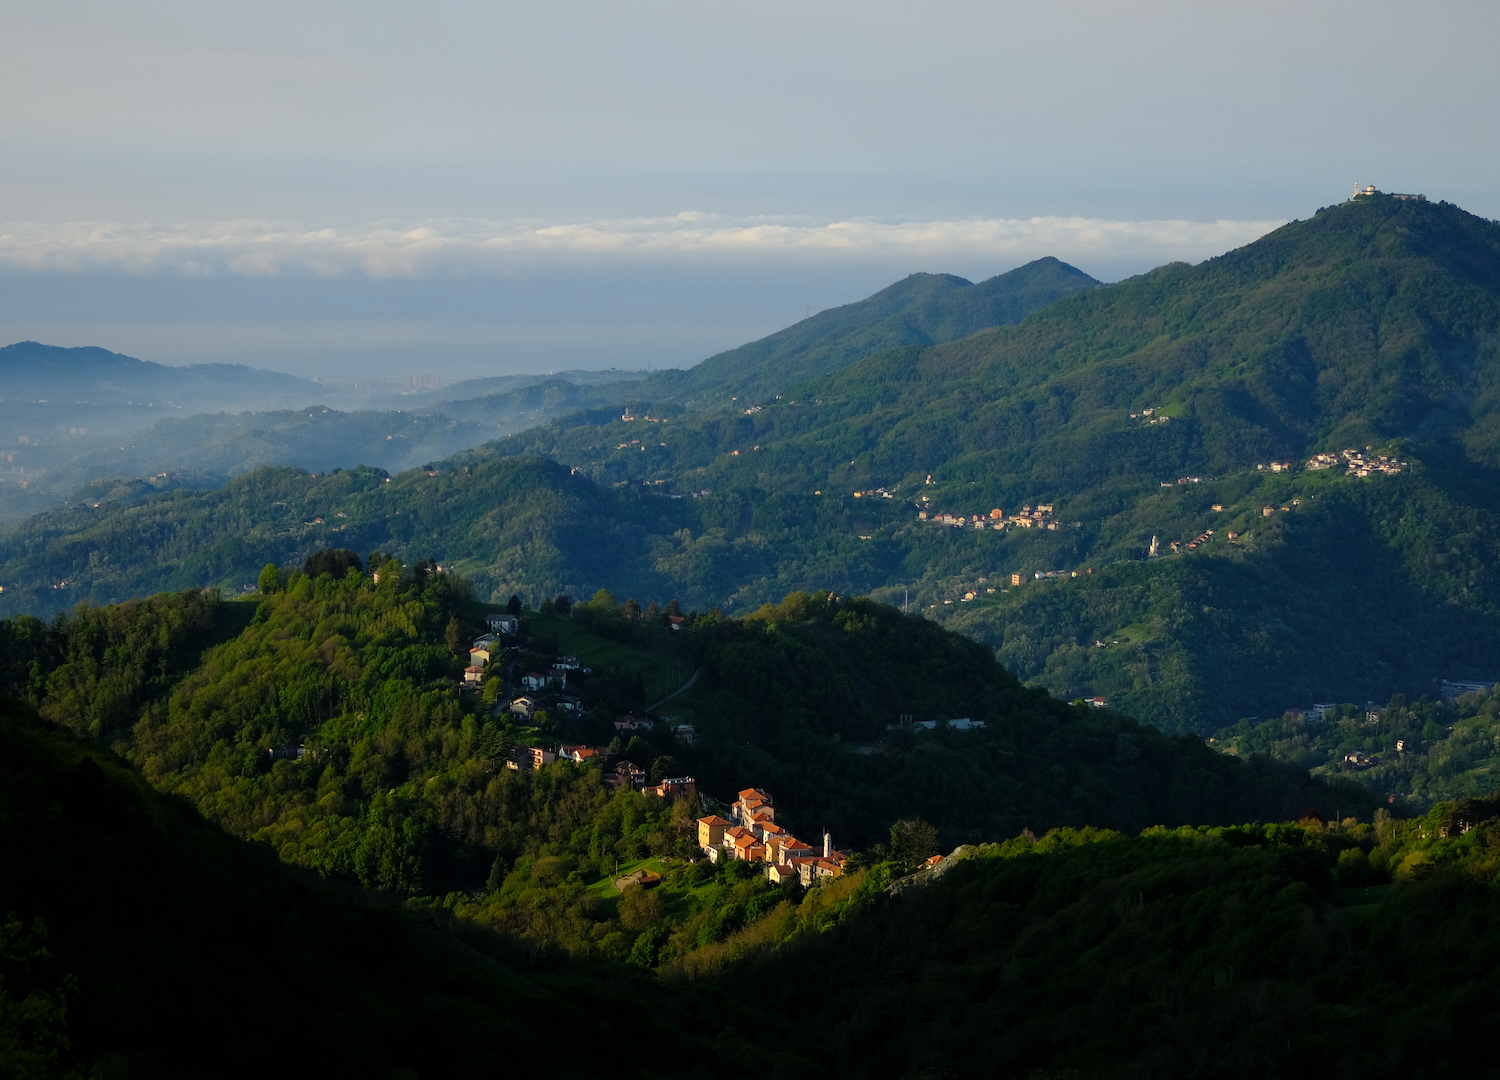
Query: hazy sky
463	188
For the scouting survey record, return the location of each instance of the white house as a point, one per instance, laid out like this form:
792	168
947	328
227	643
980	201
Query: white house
502	623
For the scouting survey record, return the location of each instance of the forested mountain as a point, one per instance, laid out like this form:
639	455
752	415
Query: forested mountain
1132	410
923	309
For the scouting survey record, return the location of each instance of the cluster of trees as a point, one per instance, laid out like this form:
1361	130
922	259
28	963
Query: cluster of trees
119	907
1420	751
1175	952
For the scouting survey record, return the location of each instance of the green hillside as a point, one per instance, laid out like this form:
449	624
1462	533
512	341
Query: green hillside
138	940
923	309
1333	949
400	784
1132	410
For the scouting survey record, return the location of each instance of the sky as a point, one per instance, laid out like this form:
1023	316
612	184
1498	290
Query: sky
378	189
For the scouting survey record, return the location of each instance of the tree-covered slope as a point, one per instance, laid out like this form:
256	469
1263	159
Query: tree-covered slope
923	309
140	940
404	787
1330	949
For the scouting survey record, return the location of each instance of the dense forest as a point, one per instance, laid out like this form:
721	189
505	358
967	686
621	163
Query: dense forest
1422	751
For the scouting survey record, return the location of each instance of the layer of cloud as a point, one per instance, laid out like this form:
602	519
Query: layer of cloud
436	248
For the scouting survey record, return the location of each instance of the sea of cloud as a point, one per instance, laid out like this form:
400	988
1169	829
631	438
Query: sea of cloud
392	250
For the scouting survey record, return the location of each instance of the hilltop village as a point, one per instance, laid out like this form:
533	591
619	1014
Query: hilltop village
1041	516
754	836
1356	463
1029	517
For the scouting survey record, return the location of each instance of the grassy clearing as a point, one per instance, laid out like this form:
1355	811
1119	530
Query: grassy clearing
605	886
660	668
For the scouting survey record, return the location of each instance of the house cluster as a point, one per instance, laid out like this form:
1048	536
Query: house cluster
874	493
1041	575
1038	517
626	774
754	836
1356	463
1276	467
1195	544
1146	415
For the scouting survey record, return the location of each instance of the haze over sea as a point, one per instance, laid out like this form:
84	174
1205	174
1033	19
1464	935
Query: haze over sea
460	191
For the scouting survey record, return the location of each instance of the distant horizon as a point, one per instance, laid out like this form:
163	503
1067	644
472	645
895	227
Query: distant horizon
492	189
460	314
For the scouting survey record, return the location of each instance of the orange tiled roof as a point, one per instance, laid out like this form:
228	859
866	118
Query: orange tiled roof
712	819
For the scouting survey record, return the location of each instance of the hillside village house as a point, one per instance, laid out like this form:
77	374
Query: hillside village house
523	706
489	645
627	774
536	680
501	623
626	725
531	757
711	831
473	674
674	787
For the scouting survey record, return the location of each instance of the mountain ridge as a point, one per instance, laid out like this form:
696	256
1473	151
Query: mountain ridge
1335	332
